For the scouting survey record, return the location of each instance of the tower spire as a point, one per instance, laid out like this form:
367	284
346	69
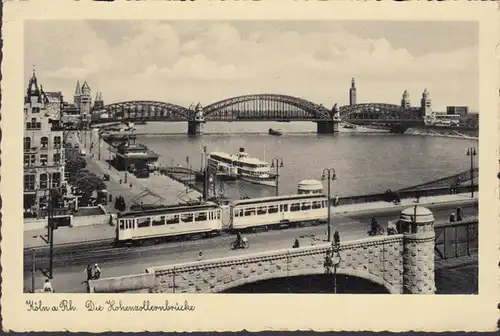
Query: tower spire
78	90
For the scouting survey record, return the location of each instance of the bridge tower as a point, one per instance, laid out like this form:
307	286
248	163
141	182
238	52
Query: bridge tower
405	101
352	93
426	107
329	126
195	127
417	226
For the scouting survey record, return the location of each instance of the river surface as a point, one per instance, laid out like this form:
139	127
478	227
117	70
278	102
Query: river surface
365	163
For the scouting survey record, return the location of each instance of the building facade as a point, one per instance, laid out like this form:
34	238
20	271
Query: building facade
43	146
462	111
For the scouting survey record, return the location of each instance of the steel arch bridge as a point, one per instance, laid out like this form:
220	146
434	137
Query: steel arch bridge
139	110
379	112
265	107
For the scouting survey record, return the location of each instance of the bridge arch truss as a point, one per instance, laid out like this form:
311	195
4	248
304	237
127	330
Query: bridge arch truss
379	111
262	107
390	288
138	110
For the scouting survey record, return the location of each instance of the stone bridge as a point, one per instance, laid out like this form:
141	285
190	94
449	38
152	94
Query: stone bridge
402	263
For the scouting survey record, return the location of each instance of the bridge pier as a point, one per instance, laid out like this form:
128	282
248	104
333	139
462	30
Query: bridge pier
327	127
195	128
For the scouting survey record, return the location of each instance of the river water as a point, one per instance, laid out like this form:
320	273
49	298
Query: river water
364	162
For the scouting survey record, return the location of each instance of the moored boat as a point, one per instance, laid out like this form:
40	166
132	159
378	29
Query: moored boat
243	167
275	132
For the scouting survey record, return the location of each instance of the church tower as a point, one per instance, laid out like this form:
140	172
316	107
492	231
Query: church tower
78	94
352	93
405	101
426	107
85	100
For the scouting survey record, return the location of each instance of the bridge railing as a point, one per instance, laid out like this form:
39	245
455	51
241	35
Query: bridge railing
381	197
456	239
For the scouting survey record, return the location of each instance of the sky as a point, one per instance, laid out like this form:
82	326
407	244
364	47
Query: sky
186	62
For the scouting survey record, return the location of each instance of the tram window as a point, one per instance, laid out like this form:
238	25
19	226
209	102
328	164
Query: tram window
159	221
250	212
285	207
241	212
131	224
236	213
200	217
143	222
295	207
273	209
173	219
218	214
261	210
306	206
122	224
316	205
187	218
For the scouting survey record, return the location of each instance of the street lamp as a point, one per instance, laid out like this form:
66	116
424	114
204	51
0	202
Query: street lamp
329	173
471	152
277	163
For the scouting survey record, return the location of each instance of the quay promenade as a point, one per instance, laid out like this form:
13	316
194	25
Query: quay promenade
65	235
153	190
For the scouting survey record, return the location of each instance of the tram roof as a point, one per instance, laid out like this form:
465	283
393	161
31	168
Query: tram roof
277	199
168	210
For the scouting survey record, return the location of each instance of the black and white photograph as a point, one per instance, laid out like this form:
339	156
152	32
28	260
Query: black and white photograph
251	157
245	163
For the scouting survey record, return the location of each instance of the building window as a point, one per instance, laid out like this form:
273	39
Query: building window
43	181
29	182
44	142
29	160
33	124
43	159
56	180
35	109
57	158
57	142
27	143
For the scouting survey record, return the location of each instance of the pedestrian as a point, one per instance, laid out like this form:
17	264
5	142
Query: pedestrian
296	243
97	272
452	218
200	256
89	272
336	237
336	200
460	214
47	287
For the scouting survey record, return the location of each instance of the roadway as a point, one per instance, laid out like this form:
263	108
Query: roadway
71	260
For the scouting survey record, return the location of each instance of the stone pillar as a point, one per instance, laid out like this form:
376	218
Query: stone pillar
417	225
195	128
327	127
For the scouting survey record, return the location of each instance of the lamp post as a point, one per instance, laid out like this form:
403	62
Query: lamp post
189	174
336	259
277	163
471	152
329	173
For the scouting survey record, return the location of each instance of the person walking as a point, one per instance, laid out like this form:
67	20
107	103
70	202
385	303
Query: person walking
47	287
90	272
97	272
336	237
336	202
200	256
460	214
452	218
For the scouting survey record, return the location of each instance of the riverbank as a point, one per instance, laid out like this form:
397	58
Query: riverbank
155	189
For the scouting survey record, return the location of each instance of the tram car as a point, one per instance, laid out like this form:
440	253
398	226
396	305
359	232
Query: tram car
210	219
169	222
281	211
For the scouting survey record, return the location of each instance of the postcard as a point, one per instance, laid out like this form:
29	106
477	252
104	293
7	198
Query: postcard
199	166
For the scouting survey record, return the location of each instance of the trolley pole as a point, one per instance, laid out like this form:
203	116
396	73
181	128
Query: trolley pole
33	272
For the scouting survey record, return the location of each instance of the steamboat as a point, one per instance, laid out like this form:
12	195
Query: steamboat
243	167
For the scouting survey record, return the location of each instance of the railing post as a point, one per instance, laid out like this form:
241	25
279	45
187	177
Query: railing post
468	242
444	243
173	281
456	241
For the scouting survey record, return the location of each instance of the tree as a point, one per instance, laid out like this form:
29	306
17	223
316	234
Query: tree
87	183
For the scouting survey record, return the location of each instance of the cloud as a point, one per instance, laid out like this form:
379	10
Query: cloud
217	59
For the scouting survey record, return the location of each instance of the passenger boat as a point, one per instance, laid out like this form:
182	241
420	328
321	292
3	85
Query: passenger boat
275	132
349	126
242	166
